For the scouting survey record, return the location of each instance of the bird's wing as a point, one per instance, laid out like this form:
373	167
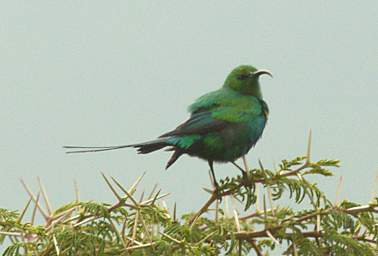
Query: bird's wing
216	110
214	120
198	123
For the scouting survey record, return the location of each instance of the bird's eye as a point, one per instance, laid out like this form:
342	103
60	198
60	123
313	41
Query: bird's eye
243	76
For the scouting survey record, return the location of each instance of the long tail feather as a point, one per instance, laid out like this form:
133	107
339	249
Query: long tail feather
143	148
83	149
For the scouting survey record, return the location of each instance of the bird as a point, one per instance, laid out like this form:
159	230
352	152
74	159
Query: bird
222	127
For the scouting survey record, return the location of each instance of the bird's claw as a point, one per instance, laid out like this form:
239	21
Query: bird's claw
245	179
218	192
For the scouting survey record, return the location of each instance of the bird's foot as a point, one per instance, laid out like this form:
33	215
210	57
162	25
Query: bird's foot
218	192
245	179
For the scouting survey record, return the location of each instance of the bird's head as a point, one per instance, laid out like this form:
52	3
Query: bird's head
245	80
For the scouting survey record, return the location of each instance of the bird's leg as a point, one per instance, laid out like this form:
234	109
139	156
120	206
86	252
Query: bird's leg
237	166
244	173
216	185
246	168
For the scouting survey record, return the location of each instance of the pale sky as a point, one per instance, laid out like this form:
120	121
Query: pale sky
119	72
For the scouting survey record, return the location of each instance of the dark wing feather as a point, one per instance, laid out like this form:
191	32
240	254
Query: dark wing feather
198	123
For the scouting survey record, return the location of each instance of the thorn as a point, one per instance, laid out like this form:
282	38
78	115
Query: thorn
208	190
118	234
155	197
35	209
24	210
265	213
158	197
111	187
77	194
153	191
338	190
119	185
271	200
134	242
174	213
77	224
205	239
261	166
236	219
131	197
56	246
123	230
141	197
44	195
135	226
216	210
375	185
133	187
45	216
258	197
309	142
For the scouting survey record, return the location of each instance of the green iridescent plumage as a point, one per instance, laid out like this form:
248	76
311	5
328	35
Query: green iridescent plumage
223	125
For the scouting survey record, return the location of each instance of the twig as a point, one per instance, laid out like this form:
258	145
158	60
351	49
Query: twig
171	238
256	213
6	233
204	208
141	246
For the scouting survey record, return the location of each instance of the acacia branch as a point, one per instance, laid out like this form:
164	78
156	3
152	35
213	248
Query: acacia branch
214	196
248	235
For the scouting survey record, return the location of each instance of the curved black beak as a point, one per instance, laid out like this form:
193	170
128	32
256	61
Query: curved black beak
262	72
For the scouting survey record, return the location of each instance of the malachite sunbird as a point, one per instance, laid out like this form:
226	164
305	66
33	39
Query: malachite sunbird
222	127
